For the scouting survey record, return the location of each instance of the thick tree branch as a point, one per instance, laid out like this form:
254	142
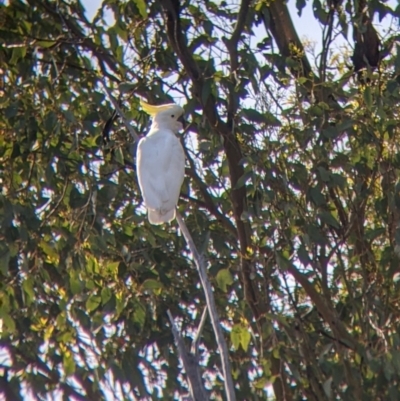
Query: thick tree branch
177	39
281	26
366	39
285	35
233	42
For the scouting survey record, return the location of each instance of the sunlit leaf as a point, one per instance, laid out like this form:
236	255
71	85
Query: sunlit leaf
93	302
235	336
142	7
68	363
224	279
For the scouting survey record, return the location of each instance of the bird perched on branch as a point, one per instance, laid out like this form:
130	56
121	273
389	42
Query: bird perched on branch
161	162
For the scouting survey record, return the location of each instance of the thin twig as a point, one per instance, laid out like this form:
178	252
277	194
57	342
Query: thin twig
46	218
212	309
131	130
196	340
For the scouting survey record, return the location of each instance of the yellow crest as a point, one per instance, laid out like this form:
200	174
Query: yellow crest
153	110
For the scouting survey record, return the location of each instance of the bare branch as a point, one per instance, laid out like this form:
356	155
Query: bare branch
196	388
196	341
285	35
232	43
212	309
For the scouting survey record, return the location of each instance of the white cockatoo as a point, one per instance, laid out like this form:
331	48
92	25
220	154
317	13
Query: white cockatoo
161	162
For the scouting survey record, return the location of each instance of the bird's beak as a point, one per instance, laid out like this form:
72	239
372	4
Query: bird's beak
182	120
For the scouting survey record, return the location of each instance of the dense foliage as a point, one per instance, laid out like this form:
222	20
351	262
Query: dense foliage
291	192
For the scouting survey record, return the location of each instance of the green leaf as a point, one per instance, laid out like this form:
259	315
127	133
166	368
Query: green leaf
142	7
317	196
50	121
328	387
45	43
106	295
4	261
119	156
208	27
8	322
315	111
303	255
68	363
125	87
93	302
11	110
375	233
254	115
245	338
265	117
235	336
75	285
243	179
154	285
345	125
259	5
324	174
240	335
65	337
327	218
282	260
27	285
261	383
77	199
319	12
396	360
300	4
339	180
49	249
224	278
271	120
139	314
17	53
206	91
112	267
368	97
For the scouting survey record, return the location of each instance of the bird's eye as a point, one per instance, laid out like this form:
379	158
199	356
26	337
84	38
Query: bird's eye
172	115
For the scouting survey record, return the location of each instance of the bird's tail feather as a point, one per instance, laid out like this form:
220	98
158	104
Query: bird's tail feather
156	217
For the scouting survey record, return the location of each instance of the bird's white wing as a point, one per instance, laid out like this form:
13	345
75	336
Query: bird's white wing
151	155
160	169
176	169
